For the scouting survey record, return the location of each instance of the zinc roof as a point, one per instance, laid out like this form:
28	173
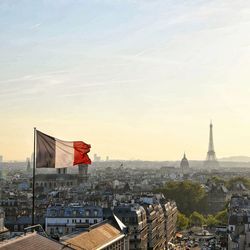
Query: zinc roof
32	241
94	239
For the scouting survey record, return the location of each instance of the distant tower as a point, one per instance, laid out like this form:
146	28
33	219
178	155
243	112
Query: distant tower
61	170
28	169
184	163
211	161
82	173
97	158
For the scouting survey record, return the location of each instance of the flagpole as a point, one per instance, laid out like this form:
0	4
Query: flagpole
33	183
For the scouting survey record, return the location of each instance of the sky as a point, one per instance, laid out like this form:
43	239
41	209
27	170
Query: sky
137	79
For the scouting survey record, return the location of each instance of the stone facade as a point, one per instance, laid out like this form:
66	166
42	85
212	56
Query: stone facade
134	217
4	232
61	220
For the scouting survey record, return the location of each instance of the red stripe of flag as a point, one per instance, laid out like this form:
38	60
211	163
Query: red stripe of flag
80	153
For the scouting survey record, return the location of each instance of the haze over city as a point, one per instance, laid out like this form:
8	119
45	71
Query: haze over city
135	79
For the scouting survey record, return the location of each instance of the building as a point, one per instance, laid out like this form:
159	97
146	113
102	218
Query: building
184	165
107	235
239	223
97	158
61	179
61	220
31	241
48	182
155	222
83	173
238	188
4	232
217	196
134	217
151	221
28	168
170	214
161	240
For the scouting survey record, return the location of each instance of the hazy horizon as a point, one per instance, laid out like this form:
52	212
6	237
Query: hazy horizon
135	79
231	159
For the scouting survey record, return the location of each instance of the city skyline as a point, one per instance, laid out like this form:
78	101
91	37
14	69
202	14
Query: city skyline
135	79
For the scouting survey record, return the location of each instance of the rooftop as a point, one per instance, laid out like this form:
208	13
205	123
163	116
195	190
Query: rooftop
74	211
97	238
31	241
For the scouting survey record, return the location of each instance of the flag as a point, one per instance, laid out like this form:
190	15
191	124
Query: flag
55	153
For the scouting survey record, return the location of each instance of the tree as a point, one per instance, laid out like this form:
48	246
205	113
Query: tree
196	219
217	180
211	221
238	179
189	196
222	217
182	221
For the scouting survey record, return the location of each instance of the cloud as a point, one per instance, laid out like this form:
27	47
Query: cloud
35	26
33	77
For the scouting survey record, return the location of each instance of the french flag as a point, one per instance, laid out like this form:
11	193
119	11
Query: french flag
55	153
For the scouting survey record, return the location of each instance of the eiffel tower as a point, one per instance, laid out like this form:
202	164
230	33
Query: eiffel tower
211	161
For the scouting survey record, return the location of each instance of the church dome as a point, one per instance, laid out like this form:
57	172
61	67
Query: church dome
184	162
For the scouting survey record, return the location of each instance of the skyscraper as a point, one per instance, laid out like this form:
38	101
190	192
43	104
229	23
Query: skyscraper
211	161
